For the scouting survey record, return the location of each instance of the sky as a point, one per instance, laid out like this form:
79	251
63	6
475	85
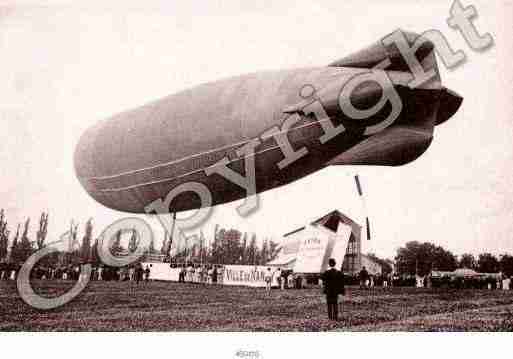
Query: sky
67	65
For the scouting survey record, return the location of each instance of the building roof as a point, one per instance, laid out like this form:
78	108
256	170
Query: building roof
465	272
329	221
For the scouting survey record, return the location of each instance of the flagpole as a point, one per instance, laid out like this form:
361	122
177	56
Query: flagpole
171	236
70	243
202	247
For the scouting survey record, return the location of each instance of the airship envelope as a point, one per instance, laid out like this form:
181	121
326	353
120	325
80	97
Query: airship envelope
272	126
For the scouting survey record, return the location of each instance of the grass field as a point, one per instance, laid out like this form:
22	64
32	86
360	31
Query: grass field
160	306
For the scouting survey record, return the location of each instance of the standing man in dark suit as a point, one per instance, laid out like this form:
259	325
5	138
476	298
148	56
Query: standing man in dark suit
333	282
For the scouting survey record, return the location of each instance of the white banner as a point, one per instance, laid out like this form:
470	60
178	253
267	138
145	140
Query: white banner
312	249
246	275
251	276
318	245
162	271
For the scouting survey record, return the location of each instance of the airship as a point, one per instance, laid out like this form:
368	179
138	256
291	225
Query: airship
138	156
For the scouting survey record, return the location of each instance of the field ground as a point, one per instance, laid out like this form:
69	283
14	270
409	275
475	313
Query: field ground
160	306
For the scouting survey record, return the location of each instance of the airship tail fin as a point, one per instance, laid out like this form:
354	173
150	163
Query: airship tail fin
450	102
372	55
394	146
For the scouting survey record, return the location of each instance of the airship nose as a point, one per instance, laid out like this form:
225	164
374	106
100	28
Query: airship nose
450	102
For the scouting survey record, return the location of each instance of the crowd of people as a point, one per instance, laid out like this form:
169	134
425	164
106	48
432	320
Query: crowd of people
212	274
200	273
285	279
498	282
479	281
134	272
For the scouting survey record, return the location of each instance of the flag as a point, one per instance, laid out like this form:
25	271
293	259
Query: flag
358	185
202	245
360	193
75	245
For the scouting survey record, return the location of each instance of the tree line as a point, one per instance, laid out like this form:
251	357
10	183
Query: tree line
228	246
21	247
422	258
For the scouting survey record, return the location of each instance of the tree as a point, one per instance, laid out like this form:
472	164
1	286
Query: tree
214	246
23	248
506	265
203	250
151	248
221	246
85	250
4	244
467	260
166	244
73	254
274	249
264	253
252	250
4	236
14	244
42	231
488	263
116	247
421	258
243	249
386	267
95	257
230	243
443	260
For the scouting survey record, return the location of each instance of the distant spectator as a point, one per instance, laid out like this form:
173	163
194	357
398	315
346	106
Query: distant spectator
220	274
283	282
147	273
214	275
203	274
363	276
290	280
210	275
279	278
506	283
190	273
199	274
268	278
195	274
138	272
298	281
181	274
100	273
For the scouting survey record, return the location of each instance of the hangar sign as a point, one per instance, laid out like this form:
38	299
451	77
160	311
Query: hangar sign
317	245
312	248
252	276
